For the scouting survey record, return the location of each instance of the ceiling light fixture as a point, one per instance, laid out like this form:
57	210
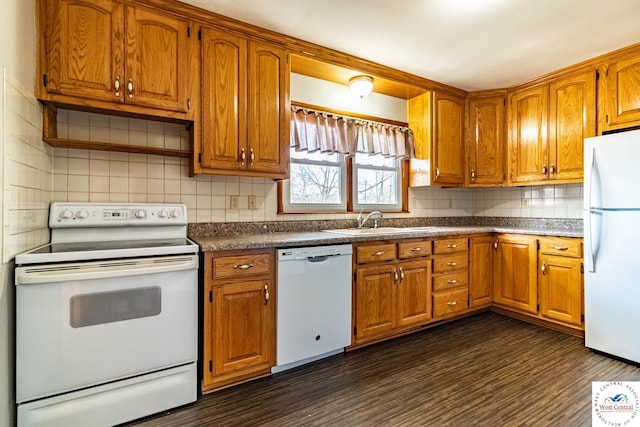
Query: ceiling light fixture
361	86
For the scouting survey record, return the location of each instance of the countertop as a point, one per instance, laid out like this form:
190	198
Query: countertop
313	238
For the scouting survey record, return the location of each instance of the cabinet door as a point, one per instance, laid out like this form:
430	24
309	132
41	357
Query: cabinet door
419	117
268	133
481	251
528	135
572	118
243	328
414	293
448	145
515	280
487	141
560	287
622	106
85	48
224	76
375	301
156	55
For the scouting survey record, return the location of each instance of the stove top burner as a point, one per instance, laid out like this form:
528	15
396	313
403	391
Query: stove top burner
59	248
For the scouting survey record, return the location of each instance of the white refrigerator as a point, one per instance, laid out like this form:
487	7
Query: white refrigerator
612	244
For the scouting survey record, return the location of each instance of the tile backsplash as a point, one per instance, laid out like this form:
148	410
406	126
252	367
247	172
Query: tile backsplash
27	170
87	175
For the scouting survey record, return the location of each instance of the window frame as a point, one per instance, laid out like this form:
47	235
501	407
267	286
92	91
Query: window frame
396	207
286	208
284	203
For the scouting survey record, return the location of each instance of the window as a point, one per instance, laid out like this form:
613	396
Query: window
317	182
377	183
341	164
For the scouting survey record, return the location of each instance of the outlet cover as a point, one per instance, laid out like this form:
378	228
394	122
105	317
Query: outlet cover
234	202
253	204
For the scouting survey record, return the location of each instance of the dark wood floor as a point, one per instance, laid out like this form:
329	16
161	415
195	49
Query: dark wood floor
486	370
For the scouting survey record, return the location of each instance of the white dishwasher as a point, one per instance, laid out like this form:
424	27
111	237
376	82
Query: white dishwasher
314	304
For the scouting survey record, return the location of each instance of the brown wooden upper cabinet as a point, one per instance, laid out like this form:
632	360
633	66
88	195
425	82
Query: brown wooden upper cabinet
547	127
437	120
620	89
103	53
245	106
486	140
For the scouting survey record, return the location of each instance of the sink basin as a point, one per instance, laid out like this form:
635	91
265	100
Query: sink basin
371	231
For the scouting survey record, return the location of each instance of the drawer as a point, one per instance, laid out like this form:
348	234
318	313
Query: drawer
444	264
414	249
562	247
450	302
444	282
238	266
376	253
448	246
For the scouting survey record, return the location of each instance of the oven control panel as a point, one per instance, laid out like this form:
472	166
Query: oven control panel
63	214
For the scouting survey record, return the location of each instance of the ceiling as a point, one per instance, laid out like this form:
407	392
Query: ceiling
468	44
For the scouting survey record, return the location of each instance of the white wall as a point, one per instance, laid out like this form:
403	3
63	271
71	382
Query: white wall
20	144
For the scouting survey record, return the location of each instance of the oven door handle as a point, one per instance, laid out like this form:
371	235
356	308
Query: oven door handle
31	275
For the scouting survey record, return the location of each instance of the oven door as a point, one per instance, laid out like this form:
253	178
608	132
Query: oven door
89	323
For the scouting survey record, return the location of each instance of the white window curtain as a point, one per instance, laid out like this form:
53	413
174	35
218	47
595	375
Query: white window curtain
320	131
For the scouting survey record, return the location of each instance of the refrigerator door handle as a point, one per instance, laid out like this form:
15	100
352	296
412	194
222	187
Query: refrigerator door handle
590	213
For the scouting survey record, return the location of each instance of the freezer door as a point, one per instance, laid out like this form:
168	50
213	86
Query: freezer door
612	171
612	284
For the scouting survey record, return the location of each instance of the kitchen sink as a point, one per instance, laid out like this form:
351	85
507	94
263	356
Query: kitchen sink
371	231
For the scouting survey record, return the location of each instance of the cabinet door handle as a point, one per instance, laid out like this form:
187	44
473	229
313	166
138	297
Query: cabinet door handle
116	85
452	246
437	172
130	88
543	268
452	281
552	169
452	303
452	264
560	248
243	156
544	169
401	274
252	156
266	294
379	253
416	249
395	274
242	266
473	175
495	245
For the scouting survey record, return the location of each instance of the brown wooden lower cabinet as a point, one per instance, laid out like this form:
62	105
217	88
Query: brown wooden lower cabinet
515	273
540	278
239	316
392	290
481	250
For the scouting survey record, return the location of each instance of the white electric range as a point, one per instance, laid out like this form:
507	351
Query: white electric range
106	316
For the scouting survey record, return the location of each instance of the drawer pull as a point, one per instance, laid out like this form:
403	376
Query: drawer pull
416	249
242	266
452	246
379	253
452	303
560	248
452	264
452	281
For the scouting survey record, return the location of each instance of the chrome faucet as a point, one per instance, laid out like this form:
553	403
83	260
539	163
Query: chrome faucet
375	214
